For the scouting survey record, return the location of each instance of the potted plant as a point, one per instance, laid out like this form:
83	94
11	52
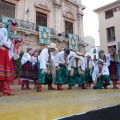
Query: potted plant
18	69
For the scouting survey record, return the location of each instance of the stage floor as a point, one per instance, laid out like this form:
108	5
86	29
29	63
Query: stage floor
50	105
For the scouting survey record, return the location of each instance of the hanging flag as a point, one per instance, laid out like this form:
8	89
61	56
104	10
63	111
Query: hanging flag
72	41
44	35
4	21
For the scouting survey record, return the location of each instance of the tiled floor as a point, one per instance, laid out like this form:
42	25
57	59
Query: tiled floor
48	105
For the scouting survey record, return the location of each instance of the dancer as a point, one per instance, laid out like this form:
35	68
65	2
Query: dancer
35	67
76	74
118	64
61	60
89	64
6	72
112	68
100	75
44	74
26	69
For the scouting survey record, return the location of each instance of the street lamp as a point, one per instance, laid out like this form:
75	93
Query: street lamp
27	12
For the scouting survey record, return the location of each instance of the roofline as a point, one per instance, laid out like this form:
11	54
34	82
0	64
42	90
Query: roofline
105	6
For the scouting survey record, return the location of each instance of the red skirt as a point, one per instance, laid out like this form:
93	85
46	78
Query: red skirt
6	72
113	70
26	71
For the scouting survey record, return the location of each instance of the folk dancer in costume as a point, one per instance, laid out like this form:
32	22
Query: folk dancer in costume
104	57
60	61
6	72
112	68
100	75
14	51
118	64
76	74
44	74
35	67
26	69
89	64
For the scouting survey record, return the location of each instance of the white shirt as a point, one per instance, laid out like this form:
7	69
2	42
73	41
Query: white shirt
59	59
105	71
110	58
26	57
43	58
107	61
72	63
3	38
91	63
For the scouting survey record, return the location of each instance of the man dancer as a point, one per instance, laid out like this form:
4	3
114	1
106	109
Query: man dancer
89	64
76	68
60	61
44	75
100	75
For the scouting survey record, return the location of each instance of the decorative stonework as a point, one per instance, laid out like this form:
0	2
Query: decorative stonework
57	2
42	5
69	15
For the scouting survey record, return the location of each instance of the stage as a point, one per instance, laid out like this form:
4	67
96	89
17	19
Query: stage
52	105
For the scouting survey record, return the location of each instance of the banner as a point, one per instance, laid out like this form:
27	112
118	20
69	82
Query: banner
4	21
72	41
44	35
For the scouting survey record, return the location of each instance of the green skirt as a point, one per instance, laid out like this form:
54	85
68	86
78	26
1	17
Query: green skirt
103	81
44	78
61	75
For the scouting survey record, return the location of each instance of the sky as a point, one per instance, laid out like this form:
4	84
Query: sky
90	19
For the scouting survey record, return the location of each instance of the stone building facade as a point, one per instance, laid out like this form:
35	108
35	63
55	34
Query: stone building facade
61	16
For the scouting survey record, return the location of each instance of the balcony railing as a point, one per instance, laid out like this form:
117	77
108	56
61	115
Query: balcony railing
66	36
29	25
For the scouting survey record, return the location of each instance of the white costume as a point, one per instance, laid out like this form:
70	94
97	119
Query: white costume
106	60
91	63
26	57
105	71
59	59
72	63
43	58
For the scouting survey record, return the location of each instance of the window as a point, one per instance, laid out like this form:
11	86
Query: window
95	57
7	9
117	8
110	34
68	27
109	13
41	19
94	51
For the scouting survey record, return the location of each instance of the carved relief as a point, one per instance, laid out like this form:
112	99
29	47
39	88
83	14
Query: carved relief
42	5
69	15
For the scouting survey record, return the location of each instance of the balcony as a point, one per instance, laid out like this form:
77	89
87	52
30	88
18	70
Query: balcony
29	25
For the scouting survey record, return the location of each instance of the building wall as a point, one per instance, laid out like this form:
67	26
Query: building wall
91	43
106	23
56	17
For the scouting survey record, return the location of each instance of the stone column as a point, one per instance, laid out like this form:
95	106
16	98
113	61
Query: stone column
57	14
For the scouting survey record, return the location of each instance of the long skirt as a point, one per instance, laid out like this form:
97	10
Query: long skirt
6	72
103	81
76	78
61	75
88	75
113	71
35	71
44	78
118	70
26	71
